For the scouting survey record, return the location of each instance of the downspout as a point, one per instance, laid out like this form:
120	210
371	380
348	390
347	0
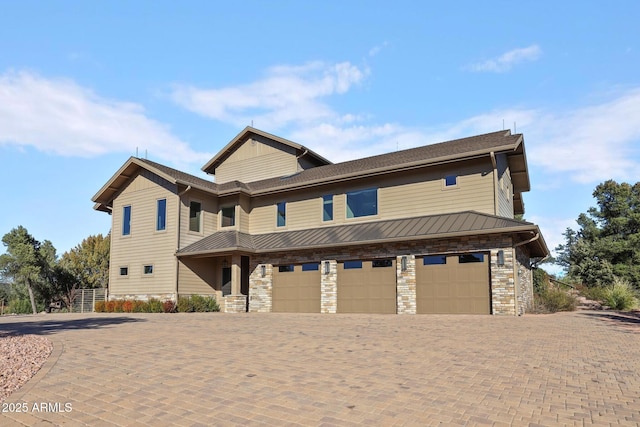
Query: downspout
495	183
180	194
298	166
515	269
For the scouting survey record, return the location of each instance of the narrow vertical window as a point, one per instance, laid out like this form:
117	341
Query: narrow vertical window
126	220
327	208
228	216
161	220
195	211
282	214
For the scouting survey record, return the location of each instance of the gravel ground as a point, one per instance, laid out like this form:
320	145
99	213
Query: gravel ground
20	358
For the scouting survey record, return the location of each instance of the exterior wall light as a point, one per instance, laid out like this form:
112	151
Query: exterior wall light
327	267
263	270
500	258
403	263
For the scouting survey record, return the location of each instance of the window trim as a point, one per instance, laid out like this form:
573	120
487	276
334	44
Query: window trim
346	203
235	214
144	270
327	199
446	186
284	214
164	226
128	223
200	223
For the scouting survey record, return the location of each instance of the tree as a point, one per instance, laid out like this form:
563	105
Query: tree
23	261
89	261
607	243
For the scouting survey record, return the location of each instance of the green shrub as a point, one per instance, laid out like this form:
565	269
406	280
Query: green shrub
197	303
100	307
118	306
140	306
155	305
621	295
553	300
20	306
594	293
184	305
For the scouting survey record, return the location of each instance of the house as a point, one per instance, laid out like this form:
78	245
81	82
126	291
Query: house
424	230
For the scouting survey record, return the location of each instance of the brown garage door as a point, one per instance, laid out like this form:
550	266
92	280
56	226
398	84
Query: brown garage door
296	288
367	286
454	284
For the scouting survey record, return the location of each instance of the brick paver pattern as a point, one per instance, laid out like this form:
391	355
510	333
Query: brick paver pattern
205	369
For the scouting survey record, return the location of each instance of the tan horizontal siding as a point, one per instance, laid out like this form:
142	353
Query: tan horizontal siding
199	276
209	216
145	245
399	196
256	168
505	188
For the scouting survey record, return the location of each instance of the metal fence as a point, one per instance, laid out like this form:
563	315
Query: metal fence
86	300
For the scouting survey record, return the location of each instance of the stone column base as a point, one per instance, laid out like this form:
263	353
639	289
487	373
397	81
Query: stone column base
235	303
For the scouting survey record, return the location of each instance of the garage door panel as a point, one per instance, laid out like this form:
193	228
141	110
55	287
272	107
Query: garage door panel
453	286
296	291
367	289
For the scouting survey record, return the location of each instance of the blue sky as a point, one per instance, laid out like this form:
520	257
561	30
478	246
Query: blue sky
85	84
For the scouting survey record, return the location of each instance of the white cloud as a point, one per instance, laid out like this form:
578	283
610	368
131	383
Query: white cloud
504	62
286	95
376	49
62	117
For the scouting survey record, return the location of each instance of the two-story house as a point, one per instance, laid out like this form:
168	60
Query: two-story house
425	230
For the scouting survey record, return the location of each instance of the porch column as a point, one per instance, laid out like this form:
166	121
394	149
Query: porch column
329	286
236	302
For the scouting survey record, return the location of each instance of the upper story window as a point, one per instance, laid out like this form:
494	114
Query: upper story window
281	220
126	220
362	203
195	213
327	207
161	218
228	216
451	180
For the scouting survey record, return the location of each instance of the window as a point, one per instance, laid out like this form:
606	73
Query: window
282	214
148	269
312	266
349	265
327	208
195	211
126	220
124	271
285	268
468	258
228	216
379	263
451	180
161	221
434	259
362	203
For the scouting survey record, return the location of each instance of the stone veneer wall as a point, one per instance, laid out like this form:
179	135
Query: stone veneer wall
329	287
142	297
260	288
406	285
503	288
503	285
525	281
235	303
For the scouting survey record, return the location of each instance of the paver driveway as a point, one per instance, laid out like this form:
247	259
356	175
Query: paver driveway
276	369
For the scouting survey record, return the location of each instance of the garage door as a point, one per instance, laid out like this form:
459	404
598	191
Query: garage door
366	286
296	288
454	284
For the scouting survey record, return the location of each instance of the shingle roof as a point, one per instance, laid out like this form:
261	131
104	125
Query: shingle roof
450	150
424	227
182	177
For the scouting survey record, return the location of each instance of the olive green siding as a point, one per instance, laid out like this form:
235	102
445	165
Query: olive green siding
504	192
144	245
209	216
400	195
257	158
